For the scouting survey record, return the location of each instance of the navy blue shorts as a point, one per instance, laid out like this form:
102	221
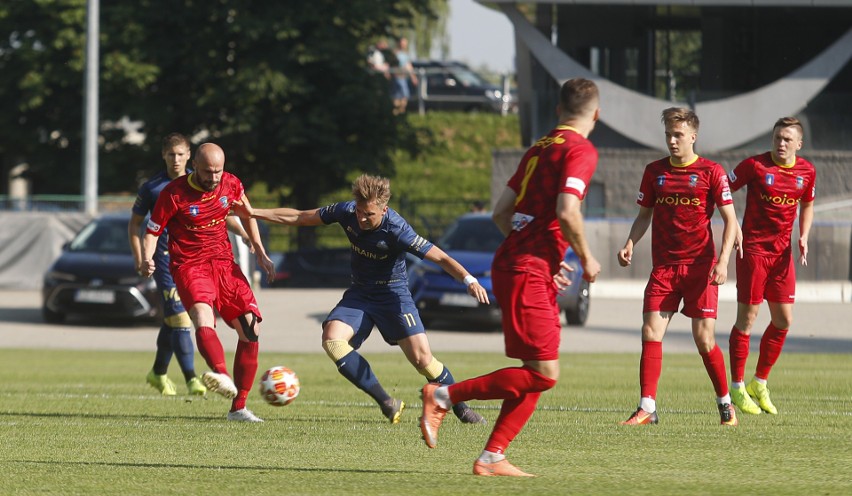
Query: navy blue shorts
172	305
390	309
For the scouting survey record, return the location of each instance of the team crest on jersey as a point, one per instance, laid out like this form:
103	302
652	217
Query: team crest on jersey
693	180
770	179
223	200
381	245
661	180
193	210
800	182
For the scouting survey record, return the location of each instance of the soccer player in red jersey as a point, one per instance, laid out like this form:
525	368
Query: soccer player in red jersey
779	183
539	212
679	193
194	208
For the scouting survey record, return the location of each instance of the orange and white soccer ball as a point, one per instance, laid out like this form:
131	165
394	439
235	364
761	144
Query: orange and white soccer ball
279	386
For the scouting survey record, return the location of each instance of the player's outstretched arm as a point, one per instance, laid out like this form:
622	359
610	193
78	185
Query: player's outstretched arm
288	216
455	269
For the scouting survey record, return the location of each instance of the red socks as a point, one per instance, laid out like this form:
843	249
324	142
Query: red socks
211	349
650	367
738	350
714	362
770	349
245	370
514	414
503	384
518	387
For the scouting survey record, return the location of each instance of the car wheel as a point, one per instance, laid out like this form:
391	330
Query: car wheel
577	315
52	317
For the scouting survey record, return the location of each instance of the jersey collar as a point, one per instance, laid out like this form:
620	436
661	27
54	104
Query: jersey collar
191	180
685	164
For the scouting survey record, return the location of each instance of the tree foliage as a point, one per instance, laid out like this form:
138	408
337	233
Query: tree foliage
282	86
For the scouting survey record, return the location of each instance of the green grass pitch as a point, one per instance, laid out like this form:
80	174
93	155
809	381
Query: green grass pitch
76	422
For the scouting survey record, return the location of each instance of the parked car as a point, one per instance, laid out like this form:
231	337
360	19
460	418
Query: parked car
313	268
472	240
455	86
95	277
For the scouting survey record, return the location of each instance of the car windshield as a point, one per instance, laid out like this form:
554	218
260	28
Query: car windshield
472	234
467	77
102	236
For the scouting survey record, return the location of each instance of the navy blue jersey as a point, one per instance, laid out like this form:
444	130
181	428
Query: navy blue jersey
378	256
144	204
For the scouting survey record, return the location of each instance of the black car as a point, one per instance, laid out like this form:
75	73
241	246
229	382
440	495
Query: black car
472	240
448	85
95	277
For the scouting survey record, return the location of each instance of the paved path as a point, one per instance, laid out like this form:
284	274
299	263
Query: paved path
292	320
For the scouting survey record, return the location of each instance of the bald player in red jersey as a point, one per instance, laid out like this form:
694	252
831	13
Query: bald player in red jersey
194	208
779	184
539	212
679	193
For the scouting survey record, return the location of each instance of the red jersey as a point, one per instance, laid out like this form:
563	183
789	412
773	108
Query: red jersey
774	193
195	218
683	198
561	162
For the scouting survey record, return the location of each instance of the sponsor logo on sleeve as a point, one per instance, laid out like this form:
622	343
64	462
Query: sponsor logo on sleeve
732	176
153	226
641	196
576	183
520	221
726	195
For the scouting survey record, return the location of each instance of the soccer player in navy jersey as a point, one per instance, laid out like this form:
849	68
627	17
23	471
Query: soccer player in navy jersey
779	183
679	193
195	208
379	295
539	212
174	337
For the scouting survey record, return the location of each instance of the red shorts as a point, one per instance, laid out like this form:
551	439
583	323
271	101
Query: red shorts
531	326
669	284
218	283
765	276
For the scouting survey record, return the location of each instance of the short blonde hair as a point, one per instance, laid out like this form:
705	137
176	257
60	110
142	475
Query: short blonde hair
367	188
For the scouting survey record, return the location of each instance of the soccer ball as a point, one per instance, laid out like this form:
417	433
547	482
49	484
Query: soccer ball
279	386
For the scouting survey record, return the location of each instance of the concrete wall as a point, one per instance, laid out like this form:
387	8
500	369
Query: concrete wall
620	172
